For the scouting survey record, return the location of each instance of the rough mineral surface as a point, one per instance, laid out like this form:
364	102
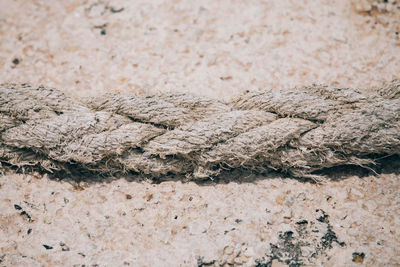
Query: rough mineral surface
218	50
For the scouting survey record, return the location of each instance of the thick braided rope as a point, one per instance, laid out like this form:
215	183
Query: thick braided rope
297	131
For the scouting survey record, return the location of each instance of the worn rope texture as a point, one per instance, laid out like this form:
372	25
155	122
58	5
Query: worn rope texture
297	131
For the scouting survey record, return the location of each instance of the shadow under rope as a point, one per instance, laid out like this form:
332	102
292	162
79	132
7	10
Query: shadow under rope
75	173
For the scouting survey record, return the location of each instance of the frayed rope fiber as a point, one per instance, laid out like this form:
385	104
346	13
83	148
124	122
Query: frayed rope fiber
297	131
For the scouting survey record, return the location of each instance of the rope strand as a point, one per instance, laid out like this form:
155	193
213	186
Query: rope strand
298	131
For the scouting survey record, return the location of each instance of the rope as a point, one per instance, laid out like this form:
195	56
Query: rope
297	131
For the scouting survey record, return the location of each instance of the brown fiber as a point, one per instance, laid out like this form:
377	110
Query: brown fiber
297	131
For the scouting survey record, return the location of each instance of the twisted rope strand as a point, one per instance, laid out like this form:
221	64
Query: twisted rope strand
298	131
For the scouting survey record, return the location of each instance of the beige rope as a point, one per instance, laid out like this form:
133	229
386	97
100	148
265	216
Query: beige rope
297	131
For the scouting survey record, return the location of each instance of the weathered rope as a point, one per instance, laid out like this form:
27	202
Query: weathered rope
297	131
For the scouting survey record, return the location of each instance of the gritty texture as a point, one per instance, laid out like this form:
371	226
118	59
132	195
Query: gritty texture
176	223
351	129
215	49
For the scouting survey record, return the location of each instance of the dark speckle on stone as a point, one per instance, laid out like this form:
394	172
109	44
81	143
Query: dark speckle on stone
28	217
103	32
17	207
329	238
202	263
291	244
29	231
324	217
64	247
114	10
47	247
288	235
238	220
15	61
358	257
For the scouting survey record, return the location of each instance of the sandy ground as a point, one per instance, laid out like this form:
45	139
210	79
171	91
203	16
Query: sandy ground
218	49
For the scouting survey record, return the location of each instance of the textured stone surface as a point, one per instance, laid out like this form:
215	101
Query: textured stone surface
176	223
213	48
